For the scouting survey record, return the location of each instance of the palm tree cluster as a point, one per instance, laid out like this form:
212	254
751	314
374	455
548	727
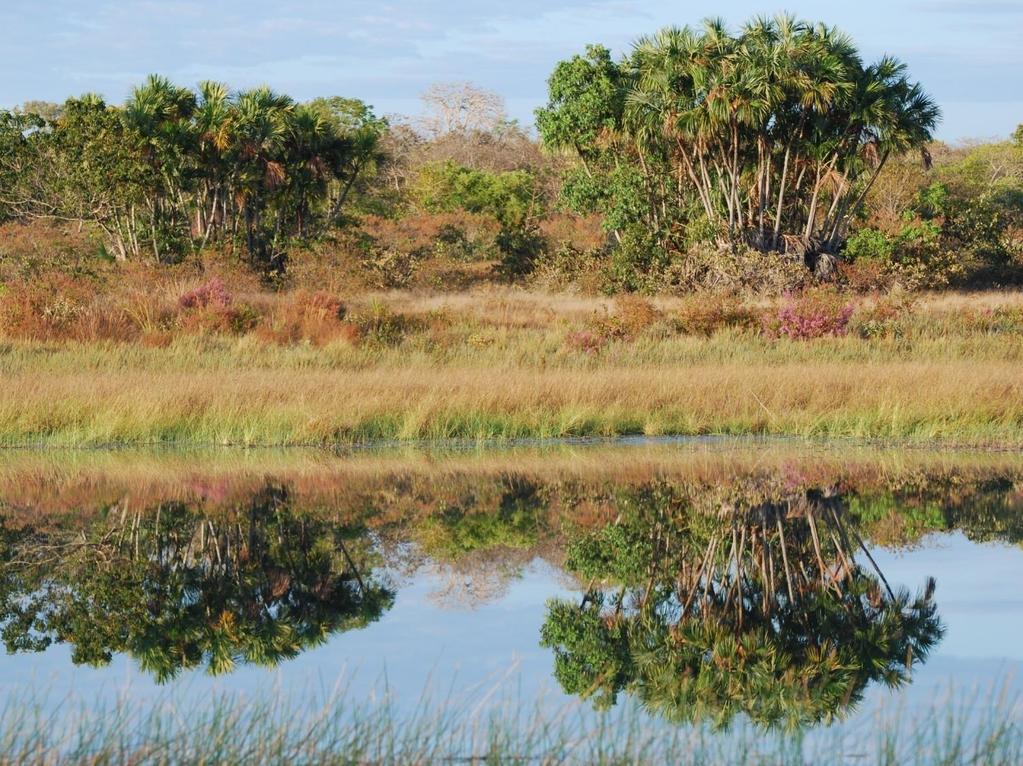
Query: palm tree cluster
769	138
763	611
175	169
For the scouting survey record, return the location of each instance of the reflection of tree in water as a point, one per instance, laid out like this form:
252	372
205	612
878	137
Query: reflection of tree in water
478	545
763	610
177	589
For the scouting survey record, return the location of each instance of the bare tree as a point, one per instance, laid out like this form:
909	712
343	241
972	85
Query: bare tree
461	107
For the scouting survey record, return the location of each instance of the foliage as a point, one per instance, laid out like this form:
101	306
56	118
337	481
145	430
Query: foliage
766	138
173	170
510	197
751	611
708	315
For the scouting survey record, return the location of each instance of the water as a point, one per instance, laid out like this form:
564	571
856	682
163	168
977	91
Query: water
169	578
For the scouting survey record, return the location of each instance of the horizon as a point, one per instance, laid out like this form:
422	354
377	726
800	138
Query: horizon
962	51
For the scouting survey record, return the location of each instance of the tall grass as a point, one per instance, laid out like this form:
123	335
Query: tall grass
505	367
275	729
960	402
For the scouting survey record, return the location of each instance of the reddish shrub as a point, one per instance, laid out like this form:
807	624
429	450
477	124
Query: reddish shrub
810	315
219	320
884	317
212	294
865	275
586	341
314	317
581	233
633	314
46	308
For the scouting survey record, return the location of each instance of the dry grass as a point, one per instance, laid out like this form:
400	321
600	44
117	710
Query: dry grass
962	402
307	368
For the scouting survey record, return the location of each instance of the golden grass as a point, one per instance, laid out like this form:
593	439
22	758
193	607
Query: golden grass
960	401
497	365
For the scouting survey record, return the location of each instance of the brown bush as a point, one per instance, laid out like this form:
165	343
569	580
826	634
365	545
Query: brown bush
865	275
706	268
459	235
45	308
316	318
883	317
29	250
633	314
706	315
582	233
381	326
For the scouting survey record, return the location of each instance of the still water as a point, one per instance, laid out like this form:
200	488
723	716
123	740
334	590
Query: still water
738	584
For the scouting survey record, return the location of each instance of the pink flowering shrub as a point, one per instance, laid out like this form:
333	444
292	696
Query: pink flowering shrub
213	294
810	315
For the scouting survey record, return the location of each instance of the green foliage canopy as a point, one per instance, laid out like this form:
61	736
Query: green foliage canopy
768	138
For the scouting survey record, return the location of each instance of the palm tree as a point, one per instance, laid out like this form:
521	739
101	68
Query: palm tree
772	135
260	134
160	113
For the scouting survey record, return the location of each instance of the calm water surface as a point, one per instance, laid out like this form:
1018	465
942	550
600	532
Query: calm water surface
706	581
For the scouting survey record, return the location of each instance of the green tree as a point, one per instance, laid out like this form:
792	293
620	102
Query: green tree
769	138
175	169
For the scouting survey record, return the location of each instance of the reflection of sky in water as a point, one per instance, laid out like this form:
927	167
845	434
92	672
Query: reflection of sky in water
420	645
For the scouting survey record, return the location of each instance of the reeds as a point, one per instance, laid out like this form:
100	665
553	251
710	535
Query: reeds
271	728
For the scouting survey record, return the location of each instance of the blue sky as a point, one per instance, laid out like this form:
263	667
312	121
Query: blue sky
966	52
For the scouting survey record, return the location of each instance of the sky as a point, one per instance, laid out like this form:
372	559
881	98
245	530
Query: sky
965	52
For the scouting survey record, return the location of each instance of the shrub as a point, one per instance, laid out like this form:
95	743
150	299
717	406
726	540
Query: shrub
565	265
706	315
219	320
213	294
520	248
586	341
707	267
813	314
866	275
46	308
870	244
379	325
633	314
635	264
316	318
458	235
508	196
883	318
210	309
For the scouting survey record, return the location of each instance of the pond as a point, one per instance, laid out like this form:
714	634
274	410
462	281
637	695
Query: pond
822	598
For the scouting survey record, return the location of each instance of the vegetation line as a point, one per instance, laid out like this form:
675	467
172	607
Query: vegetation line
231	729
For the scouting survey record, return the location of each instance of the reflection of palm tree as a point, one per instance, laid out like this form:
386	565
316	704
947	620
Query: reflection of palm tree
177	590
763	611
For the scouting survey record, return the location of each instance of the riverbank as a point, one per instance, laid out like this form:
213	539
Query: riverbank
946	370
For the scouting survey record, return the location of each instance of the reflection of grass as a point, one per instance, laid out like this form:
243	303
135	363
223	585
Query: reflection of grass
271	729
572	479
